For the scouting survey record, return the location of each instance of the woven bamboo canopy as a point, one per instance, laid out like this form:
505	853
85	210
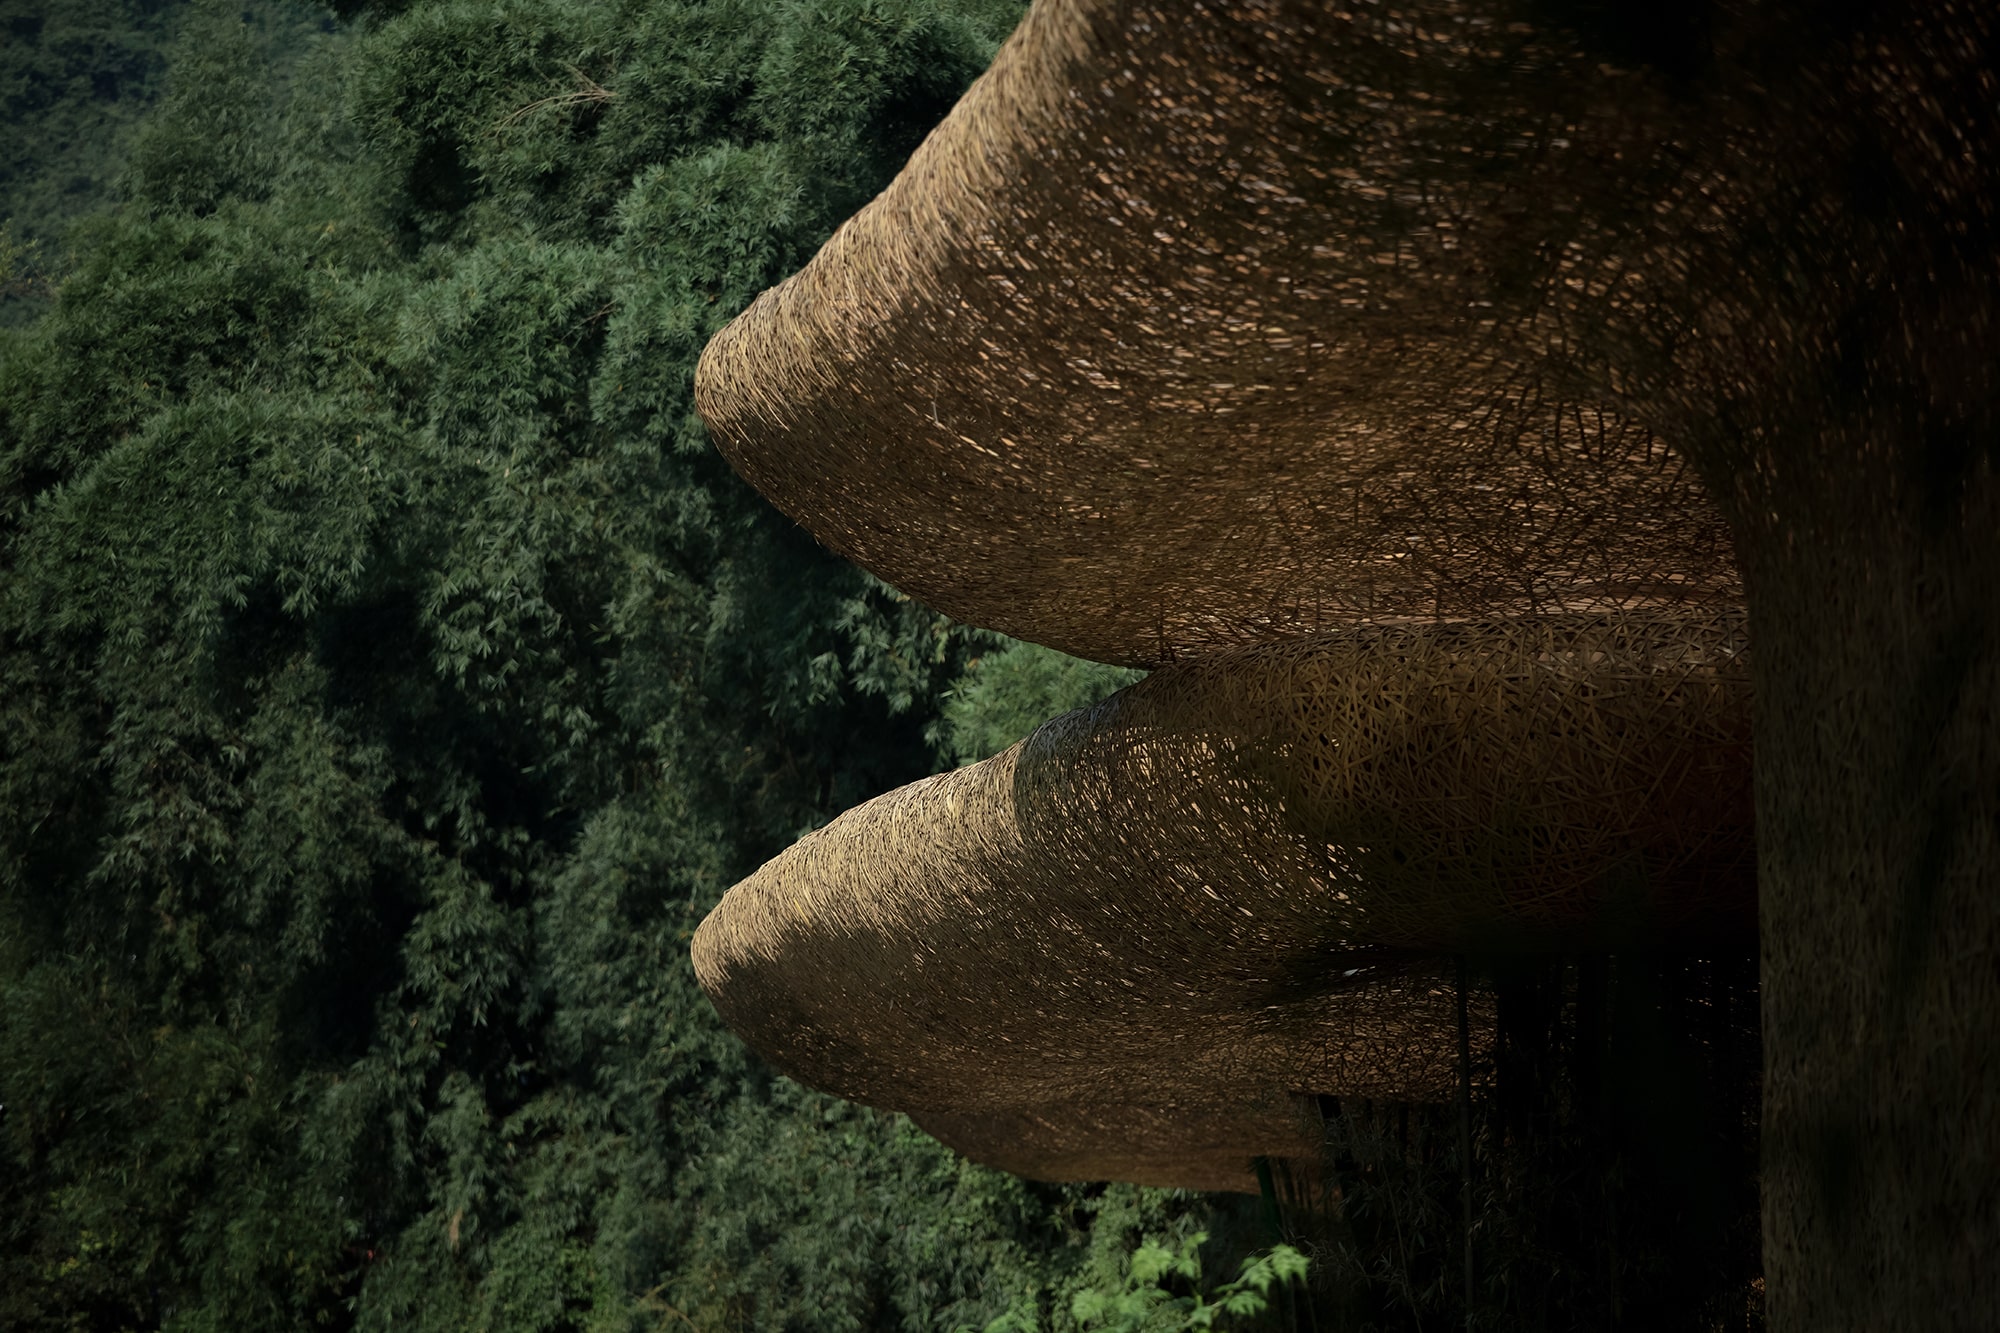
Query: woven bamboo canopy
1279	346
1203	325
1213	891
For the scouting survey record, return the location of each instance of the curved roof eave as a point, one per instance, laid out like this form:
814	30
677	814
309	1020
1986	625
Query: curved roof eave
1224	889
1214	326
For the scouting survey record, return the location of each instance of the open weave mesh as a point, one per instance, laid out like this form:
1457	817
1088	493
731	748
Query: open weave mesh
1212	892
1289	348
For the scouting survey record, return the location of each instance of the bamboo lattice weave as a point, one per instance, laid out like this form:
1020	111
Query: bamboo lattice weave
1210	891
1208	324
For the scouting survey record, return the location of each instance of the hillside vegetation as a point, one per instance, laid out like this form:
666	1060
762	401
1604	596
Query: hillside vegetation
391	677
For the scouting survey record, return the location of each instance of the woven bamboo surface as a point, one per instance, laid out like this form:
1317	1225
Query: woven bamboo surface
1197	325
1215	890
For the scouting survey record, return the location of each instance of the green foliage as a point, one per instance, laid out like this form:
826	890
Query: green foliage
18	264
1007	693
74	80
204	147
391	678
1141	1304
1142	1273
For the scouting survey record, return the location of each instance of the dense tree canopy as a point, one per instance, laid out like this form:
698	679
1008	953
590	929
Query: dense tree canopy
393	677
75	79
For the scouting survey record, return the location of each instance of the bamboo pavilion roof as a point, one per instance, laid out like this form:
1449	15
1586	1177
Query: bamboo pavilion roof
1228	887
1341	362
1199	325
